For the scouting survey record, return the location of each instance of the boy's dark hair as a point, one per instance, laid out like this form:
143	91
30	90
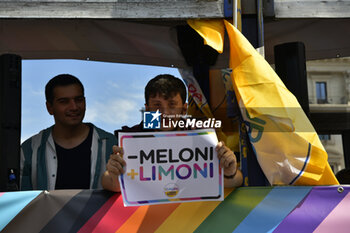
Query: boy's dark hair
165	85
60	80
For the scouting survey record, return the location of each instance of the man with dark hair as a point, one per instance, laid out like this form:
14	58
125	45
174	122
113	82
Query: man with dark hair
70	154
167	94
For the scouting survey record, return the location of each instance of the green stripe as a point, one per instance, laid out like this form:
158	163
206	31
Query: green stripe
231	212
203	133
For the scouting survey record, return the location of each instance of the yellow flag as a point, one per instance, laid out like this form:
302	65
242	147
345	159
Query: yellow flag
285	143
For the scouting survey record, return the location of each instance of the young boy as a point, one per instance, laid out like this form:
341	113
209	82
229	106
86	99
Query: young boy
168	95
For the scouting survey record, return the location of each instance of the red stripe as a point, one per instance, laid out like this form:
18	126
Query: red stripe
181	134
110	217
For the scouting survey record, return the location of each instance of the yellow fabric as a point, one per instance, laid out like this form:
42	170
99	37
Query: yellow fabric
287	146
212	33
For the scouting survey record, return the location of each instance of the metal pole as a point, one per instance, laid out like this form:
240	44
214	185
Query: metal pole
260	24
234	13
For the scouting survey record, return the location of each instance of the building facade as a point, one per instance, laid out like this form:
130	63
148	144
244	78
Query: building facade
329	91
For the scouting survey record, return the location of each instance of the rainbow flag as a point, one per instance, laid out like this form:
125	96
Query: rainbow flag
286	145
247	209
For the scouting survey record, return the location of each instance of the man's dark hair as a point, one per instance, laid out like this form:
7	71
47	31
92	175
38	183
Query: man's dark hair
60	80
165	85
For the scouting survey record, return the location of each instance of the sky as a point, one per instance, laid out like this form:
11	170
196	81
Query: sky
114	92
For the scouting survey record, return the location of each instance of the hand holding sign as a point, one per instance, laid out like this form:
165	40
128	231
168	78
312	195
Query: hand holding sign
227	159
116	162
175	166
233	176
114	168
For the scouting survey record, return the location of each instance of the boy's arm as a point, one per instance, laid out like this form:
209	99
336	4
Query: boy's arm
232	175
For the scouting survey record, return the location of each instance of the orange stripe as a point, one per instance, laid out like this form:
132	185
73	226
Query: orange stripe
147	218
188	216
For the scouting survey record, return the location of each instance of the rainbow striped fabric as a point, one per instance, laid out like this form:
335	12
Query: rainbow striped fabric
247	209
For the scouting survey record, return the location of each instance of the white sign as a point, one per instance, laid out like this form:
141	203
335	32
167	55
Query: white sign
168	167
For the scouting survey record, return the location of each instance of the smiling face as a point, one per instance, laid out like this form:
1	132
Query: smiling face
68	105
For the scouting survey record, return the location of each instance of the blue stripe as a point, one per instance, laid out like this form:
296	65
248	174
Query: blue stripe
271	211
12	203
192	134
302	170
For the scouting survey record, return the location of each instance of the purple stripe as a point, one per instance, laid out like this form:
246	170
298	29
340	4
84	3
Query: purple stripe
312	210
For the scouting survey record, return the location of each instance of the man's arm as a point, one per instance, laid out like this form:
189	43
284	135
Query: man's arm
232	175
114	168
25	178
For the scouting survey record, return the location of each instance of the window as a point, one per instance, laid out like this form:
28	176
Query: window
321	92
325	137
